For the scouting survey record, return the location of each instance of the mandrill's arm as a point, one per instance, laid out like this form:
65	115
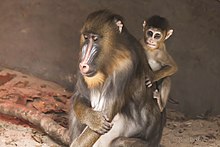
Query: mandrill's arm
88	137
113	105
95	120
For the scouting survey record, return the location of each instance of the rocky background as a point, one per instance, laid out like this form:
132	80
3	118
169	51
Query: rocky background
41	38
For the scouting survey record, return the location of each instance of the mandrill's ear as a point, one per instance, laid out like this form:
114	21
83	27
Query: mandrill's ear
144	24
120	25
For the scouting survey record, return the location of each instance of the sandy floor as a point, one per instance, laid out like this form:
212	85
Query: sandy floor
12	135
52	99
183	132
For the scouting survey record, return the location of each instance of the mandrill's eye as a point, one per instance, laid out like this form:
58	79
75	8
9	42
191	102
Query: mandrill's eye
95	38
85	36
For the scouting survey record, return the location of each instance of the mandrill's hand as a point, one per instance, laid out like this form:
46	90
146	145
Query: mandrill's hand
98	122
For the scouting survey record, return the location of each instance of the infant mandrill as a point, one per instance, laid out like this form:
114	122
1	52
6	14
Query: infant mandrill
156	31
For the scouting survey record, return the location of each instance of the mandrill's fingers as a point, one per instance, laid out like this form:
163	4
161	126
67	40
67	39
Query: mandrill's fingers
104	129
104	126
148	83
106	117
107	125
98	122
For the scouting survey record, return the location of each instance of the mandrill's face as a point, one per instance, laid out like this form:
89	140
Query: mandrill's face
89	52
99	43
89	59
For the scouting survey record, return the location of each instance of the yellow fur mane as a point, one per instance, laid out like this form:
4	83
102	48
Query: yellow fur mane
95	81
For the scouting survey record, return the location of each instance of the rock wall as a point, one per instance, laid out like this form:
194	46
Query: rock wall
41	37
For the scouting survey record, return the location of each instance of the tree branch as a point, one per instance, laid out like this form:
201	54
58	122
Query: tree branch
48	125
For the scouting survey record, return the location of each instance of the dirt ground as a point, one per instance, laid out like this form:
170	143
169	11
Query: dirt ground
52	99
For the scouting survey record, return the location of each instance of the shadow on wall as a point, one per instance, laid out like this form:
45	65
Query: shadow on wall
42	38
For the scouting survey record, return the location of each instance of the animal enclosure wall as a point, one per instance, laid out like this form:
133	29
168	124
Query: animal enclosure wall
41	37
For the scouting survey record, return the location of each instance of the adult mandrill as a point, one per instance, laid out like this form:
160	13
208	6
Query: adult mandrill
111	105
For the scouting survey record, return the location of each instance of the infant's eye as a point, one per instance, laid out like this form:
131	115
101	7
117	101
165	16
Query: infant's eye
149	33
157	36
